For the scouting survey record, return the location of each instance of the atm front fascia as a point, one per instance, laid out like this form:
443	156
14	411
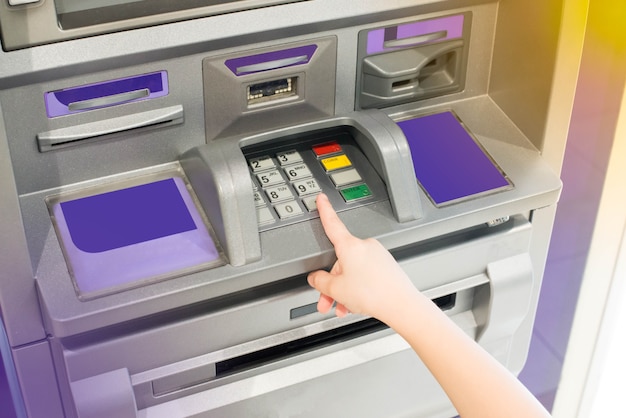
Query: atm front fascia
158	180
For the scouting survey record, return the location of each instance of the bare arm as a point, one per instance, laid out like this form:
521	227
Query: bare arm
367	280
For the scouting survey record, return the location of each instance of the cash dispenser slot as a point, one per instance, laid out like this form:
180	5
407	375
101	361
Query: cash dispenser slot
312	342
235	367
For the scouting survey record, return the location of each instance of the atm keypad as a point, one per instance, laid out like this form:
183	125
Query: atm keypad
288	178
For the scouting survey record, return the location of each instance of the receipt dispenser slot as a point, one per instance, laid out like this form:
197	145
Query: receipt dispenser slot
412	62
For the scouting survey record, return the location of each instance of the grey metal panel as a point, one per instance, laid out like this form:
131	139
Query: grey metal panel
43	15
392	153
200	35
106	395
38	381
347	382
522	86
542	220
19	306
310	389
220	177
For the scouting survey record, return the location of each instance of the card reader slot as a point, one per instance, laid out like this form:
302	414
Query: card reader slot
272	65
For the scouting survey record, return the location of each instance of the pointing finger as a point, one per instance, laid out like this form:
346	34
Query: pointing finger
335	229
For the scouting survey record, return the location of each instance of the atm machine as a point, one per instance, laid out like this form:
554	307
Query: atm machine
159	163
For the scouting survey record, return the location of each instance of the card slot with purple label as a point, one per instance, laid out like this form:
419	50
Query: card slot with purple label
122	238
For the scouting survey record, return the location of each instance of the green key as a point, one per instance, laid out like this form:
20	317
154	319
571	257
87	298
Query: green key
355	192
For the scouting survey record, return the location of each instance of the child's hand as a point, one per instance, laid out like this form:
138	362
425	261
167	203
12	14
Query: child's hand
365	278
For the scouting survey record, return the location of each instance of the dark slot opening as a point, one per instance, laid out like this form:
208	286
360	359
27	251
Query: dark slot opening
291	348
272	90
402	83
446	303
323	339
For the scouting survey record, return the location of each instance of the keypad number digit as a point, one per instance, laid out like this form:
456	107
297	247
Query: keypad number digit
269	178
297	172
306	187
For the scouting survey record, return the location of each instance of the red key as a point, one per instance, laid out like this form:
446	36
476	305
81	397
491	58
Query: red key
326	148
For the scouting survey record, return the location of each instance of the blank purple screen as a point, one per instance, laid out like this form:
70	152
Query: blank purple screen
129	216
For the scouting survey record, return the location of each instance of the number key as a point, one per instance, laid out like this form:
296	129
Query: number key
262	163
296	172
288	209
308	186
289	157
278	193
270	178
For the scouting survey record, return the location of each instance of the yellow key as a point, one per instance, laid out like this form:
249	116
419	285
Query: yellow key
336	162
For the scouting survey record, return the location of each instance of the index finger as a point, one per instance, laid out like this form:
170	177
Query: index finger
334	228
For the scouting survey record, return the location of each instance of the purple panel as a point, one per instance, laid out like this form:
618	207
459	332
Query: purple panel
142	249
453	25
448	163
57	102
306	52
124	217
7	410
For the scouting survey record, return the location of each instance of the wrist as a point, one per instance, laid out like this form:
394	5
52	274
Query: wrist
403	308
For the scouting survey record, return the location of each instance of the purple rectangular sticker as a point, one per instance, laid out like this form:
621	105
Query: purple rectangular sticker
448	162
122	238
451	27
125	217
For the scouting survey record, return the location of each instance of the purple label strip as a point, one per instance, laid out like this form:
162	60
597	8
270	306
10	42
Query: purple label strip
271	60
451	25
